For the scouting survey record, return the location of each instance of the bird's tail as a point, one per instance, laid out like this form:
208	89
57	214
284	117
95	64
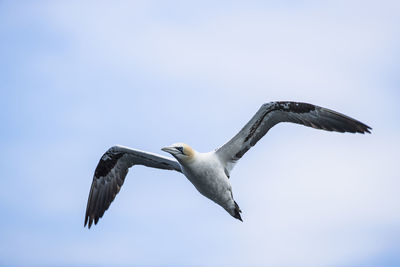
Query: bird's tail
237	212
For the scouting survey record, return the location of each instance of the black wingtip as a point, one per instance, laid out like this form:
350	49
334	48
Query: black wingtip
88	221
365	129
362	127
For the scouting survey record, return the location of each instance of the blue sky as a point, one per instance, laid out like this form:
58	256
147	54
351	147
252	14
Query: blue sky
78	77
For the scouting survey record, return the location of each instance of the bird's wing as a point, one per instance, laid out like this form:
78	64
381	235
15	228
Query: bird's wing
273	113
110	174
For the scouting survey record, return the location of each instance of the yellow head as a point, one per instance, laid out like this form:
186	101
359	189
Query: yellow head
180	151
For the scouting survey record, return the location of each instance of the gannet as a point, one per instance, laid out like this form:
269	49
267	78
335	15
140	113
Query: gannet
209	172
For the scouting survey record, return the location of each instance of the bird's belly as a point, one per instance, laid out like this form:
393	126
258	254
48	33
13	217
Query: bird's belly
211	184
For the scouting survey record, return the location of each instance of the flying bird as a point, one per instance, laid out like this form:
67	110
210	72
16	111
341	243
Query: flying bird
209	172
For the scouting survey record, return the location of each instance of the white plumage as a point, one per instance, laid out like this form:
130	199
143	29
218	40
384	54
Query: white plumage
209	172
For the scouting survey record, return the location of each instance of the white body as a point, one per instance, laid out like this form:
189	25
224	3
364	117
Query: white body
206	172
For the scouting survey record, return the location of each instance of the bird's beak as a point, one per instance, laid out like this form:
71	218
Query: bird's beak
169	149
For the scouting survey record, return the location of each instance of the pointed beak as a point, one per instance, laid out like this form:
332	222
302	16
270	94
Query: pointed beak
169	149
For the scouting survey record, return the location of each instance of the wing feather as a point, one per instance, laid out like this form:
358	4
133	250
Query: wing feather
110	174
273	113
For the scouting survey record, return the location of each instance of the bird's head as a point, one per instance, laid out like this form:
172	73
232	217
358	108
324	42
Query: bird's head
180	151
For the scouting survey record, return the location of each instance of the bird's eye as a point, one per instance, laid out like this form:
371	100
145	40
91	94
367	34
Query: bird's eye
180	148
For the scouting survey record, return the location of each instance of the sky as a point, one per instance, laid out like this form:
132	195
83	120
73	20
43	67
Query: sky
77	77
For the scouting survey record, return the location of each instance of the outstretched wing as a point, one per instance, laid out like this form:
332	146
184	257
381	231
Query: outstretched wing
110	174
273	113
